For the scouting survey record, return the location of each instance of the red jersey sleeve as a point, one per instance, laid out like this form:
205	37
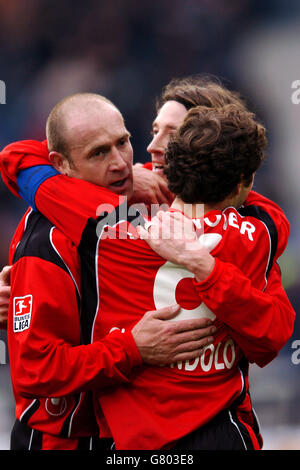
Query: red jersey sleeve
260	322
46	349
44	330
70	202
19	156
66	202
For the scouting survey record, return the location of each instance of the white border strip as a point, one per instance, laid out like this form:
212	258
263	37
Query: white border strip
234	423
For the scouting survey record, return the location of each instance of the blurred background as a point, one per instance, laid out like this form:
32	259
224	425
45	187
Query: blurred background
128	50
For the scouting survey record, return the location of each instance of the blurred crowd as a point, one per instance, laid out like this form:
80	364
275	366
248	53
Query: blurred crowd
128	50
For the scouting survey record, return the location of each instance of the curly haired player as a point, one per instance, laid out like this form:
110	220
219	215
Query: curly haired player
223	398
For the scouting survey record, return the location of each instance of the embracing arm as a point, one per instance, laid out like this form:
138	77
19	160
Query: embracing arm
47	358
68	202
260	321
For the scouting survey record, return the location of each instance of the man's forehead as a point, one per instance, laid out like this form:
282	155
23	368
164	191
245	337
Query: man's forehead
170	115
103	123
86	110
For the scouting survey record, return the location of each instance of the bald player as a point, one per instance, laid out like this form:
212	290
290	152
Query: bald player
53	366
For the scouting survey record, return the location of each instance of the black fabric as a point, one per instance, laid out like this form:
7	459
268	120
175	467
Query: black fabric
25	438
65	427
36	243
88	250
260	214
219	434
30	411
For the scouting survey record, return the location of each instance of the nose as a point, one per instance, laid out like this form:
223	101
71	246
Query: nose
156	145
118	163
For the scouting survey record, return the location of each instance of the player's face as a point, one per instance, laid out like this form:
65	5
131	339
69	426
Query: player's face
100	148
167	121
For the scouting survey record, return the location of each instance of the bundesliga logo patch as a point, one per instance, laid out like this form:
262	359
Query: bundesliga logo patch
22	308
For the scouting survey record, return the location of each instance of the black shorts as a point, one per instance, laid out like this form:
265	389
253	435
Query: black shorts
224	432
25	438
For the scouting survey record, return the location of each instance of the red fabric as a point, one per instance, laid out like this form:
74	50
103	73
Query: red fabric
268	317
163	404
148	165
19	156
277	215
50	442
47	358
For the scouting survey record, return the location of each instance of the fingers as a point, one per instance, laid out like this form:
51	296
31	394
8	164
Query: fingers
166	313
165	192
4	302
5	276
170	225
3	318
161	341
188	356
200	336
150	188
194	345
4	292
161	196
144	232
193	324
192	350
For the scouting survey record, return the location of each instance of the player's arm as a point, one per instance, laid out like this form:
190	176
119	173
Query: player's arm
20	156
66	202
261	322
44	328
27	172
44	337
45	359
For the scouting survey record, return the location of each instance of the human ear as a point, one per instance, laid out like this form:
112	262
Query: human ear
59	162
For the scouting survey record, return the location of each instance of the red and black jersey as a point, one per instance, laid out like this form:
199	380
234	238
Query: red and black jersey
52	371
119	285
74	205
42	257
162	404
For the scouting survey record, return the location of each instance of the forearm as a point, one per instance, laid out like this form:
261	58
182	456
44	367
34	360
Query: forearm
199	262
58	369
46	354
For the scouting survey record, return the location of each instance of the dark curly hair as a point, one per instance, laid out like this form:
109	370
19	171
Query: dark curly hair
213	151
